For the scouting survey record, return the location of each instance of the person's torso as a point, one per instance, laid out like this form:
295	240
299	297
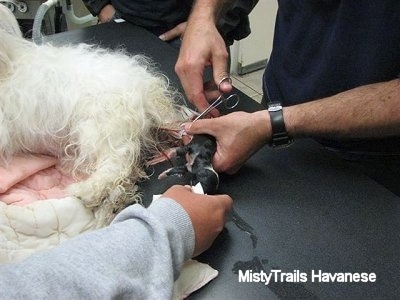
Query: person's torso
323	47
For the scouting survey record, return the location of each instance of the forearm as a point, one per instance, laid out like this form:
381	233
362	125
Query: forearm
208	9
364	112
138	256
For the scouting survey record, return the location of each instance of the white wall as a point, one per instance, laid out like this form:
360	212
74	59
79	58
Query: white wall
252	52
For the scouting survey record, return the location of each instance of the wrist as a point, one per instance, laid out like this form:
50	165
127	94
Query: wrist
262	125
208	10
177	223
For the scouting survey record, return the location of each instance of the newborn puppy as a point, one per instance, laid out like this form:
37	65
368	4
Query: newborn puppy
199	153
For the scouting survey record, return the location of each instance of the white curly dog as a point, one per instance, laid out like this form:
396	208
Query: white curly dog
97	111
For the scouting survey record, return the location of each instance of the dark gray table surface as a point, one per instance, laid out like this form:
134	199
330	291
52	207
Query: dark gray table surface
307	208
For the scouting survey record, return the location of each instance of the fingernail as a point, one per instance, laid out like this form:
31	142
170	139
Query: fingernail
162	37
226	85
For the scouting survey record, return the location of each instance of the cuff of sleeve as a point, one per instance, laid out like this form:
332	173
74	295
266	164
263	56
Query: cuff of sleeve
173	221
178	224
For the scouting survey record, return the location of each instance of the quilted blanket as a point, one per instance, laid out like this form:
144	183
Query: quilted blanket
35	211
36	214
41	225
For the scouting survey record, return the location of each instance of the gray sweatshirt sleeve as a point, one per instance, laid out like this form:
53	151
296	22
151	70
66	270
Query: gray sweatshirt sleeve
137	257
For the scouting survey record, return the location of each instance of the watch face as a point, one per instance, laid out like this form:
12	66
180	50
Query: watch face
274	107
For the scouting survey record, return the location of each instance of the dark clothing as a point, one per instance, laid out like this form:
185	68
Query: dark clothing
323	47
234	23
95	6
159	16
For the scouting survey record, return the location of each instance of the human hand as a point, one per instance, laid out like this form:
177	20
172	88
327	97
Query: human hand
202	45
174	33
238	134
106	14
207	213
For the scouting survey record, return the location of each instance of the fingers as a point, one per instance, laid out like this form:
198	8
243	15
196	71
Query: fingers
208	214
208	203
174	33
202	46
204	210
238	135
225	86
178	191
191	77
220	70
211	90
202	126
106	14
169	35
226	202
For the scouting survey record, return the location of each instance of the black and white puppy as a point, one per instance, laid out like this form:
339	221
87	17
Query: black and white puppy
199	153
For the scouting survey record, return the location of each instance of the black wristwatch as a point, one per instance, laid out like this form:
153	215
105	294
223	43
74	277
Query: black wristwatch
279	137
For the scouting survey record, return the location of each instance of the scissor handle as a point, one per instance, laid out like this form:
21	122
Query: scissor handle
231	101
213	105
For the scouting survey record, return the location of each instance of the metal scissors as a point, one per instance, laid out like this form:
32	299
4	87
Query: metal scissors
230	102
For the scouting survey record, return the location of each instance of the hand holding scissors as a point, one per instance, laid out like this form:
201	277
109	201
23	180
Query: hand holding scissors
230	102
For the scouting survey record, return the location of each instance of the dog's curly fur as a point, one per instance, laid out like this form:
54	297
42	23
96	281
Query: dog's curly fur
96	110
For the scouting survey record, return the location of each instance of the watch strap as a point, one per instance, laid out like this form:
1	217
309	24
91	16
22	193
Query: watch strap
279	136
